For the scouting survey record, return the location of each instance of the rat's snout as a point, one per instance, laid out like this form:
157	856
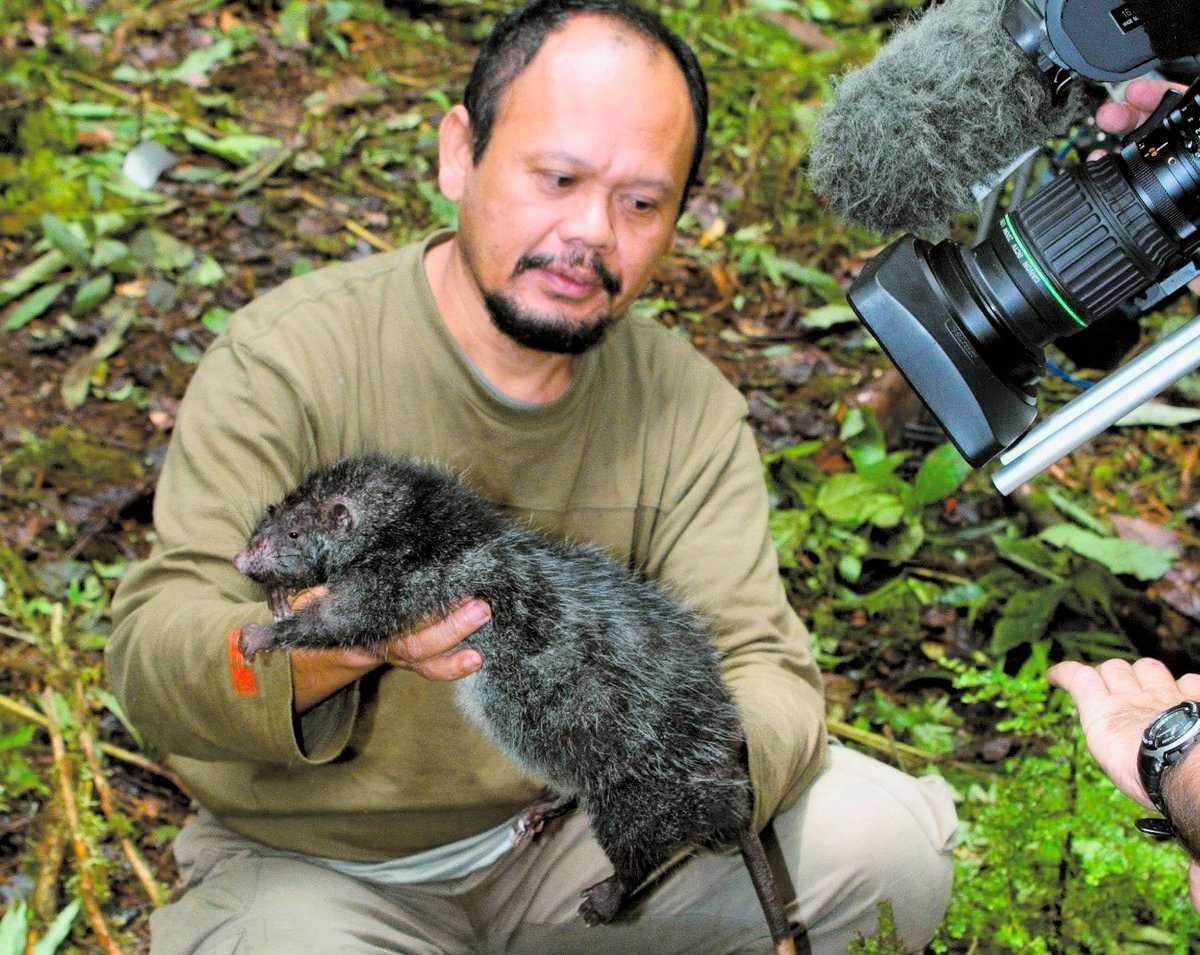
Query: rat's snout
254	559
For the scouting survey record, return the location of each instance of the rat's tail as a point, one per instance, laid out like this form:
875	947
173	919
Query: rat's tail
768	892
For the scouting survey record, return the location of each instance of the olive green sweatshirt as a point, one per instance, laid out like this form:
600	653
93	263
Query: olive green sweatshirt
647	455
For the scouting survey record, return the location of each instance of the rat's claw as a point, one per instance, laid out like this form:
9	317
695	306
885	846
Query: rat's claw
255	637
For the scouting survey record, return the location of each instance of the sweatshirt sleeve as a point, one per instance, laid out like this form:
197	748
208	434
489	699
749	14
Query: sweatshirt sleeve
242	437
711	542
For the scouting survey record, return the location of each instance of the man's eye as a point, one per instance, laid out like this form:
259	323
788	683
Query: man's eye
558	180
642	205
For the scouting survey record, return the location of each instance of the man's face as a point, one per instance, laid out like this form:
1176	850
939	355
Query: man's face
575	198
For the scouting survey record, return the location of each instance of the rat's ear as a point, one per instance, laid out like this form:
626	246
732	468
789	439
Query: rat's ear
341	515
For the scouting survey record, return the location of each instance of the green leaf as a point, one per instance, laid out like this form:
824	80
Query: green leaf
1156	413
161	250
824	285
1143	561
18	738
37	272
1025	617
865	445
827	316
91	294
59	929
108	251
216	319
850	499
114	706
186	352
78	379
200	61
206	272
240	149
1077	513
850	568
14	928
941	474
70	239
33	305
794	452
293	23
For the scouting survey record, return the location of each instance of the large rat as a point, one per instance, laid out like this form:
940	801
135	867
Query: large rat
592	679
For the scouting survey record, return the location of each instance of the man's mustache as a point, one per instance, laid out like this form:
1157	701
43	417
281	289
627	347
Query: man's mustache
573	260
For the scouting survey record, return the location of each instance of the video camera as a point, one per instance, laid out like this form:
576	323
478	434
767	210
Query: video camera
967	327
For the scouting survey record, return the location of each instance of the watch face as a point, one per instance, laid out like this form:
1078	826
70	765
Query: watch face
1171	726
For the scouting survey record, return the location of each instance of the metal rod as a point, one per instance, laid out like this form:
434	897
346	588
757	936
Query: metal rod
1103	391
1100	406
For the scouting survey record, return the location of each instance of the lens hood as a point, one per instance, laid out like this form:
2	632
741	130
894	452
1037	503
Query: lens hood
906	307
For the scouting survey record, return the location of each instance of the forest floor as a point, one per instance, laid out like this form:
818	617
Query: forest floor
307	134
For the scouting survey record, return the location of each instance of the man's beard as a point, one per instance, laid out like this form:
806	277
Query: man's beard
543	332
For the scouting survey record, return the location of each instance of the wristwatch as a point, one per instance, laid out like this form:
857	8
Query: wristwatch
1165	742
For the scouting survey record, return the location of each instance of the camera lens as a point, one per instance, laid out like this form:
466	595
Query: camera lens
967	326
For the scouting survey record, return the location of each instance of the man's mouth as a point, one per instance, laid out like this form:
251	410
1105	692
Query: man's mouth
570	284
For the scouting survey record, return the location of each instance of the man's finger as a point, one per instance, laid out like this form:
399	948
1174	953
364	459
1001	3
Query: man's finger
1153	675
1078	679
1118	118
1118	676
445	634
1147	94
1189	685
451	666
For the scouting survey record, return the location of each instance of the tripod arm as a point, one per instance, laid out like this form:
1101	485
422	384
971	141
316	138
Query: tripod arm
1102	405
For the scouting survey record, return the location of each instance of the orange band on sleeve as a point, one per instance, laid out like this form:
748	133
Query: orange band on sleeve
241	674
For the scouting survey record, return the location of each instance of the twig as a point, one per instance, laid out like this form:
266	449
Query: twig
124	95
104	792
49	854
883	745
18	635
83	861
109	749
349	224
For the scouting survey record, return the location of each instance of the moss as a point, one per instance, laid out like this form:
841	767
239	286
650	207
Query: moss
72	462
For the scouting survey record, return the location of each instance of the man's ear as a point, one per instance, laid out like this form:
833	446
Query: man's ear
454	153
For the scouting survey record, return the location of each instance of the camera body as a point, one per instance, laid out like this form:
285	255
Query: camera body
1104	40
967	327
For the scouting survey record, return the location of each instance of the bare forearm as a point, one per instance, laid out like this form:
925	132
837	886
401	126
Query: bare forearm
316	675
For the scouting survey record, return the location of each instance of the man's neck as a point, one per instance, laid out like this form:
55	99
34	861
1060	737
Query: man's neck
519	373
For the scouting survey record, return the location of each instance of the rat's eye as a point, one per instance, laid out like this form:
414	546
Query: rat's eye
294	535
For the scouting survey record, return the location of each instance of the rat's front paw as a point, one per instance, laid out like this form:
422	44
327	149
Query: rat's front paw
255	637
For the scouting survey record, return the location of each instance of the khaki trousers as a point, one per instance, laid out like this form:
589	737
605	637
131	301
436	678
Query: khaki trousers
864	832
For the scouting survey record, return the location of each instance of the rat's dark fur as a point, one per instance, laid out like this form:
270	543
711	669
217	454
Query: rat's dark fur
592	679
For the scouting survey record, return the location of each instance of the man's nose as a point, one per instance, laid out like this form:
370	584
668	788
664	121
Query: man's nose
589	222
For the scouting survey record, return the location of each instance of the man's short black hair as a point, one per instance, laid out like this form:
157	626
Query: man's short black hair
519	35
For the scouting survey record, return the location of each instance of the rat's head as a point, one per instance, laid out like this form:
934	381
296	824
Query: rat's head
310	532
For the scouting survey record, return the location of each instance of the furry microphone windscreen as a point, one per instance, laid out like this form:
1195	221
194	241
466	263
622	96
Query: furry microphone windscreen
947	103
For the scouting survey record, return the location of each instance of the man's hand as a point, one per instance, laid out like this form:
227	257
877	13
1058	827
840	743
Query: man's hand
1116	702
427	650
1141	99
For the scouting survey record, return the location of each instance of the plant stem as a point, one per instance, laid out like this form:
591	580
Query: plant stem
891	747
83	860
104	792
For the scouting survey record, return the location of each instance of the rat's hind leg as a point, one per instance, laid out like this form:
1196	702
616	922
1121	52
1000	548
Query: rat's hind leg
548	805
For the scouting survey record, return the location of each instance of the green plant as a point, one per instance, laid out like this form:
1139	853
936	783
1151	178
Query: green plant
1048	859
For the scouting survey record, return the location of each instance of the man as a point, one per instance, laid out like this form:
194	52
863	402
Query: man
348	806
